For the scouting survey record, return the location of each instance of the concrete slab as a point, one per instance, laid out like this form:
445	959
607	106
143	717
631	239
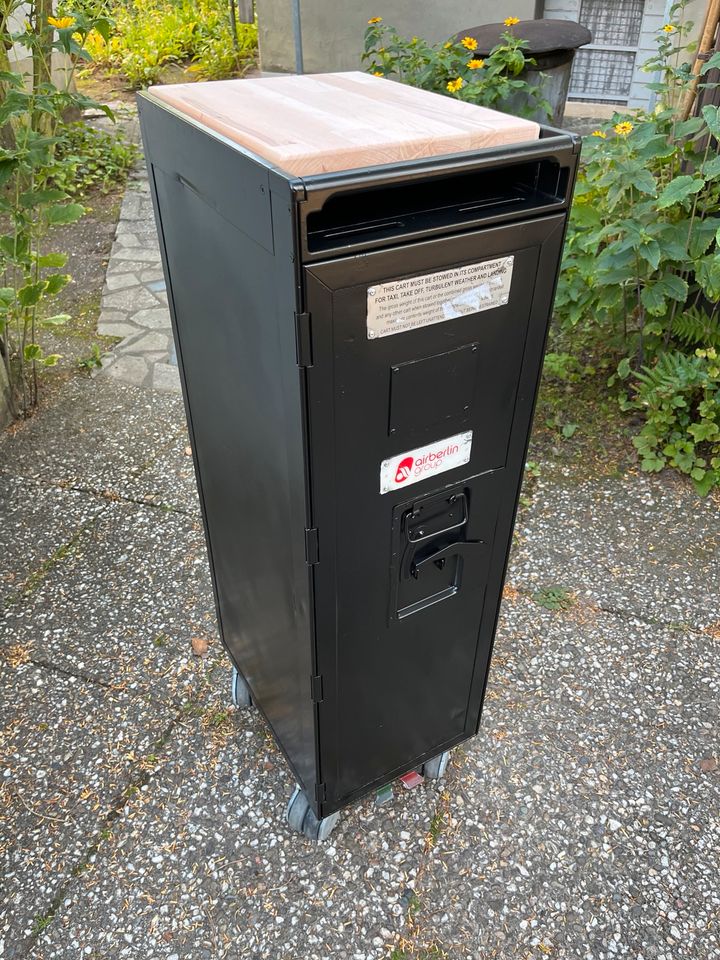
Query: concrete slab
580	823
98	435
644	544
68	751
38	522
123	606
204	866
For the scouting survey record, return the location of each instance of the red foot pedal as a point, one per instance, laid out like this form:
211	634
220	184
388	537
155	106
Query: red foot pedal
411	780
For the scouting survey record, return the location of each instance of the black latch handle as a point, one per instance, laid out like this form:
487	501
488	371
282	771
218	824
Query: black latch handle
458	548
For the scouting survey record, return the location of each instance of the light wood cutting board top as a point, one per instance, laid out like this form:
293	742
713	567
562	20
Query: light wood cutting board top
321	123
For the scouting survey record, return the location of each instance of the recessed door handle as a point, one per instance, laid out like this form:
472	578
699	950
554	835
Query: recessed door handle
458	548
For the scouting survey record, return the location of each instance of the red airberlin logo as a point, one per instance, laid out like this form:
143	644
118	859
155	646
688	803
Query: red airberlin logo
404	469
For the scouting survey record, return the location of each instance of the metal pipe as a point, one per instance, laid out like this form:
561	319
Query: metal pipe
297	36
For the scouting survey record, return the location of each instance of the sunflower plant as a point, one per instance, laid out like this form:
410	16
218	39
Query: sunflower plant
32	126
454	68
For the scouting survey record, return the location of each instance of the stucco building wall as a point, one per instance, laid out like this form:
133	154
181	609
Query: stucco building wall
332	30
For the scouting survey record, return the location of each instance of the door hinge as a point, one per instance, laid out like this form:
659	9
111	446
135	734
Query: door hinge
312	546
320	792
316	689
303	342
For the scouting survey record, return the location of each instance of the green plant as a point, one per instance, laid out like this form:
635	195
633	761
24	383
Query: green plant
643	236
32	126
151	34
680	399
554	598
452	68
92	361
641	271
88	158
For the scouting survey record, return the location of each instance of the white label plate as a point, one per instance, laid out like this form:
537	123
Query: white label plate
415	465
420	301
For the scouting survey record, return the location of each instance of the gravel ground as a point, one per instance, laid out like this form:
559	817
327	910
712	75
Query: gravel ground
142	817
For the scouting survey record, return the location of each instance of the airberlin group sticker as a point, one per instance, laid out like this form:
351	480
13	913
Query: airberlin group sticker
423	462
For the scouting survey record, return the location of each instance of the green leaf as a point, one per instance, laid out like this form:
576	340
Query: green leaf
56	282
651	252
52	260
687	128
712	64
702	235
51	359
32	352
33	198
653	299
31	293
7	168
56	321
707	273
675	287
7	295
710	115
679	190
711	169
569	429
67	213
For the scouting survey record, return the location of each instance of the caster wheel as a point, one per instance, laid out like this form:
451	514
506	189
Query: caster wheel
435	768
240	691
301	818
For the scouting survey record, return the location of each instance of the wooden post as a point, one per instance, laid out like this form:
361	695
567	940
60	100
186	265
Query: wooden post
712	18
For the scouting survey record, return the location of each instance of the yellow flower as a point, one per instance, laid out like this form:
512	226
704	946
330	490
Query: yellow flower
511	21
375	20
599	133
469	42
446	46
475	64
668	28
61	23
378	73
624	128
454	85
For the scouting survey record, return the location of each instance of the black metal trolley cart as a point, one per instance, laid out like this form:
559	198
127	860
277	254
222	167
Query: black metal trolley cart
359	353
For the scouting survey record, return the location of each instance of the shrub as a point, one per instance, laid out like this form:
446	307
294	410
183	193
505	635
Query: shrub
87	158
151	34
641	270
680	399
452	68
33	130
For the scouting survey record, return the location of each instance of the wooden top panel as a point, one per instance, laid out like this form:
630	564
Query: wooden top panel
321	123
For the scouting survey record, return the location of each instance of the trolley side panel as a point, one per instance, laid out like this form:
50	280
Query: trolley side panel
232	305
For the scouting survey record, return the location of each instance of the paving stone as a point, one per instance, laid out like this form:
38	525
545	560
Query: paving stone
136	255
37	521
129	369
147	343
68	750
121	281
117	330
123	605
117	266
157	318
130	300
166	377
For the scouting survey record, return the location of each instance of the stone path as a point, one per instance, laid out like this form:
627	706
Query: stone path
134	301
